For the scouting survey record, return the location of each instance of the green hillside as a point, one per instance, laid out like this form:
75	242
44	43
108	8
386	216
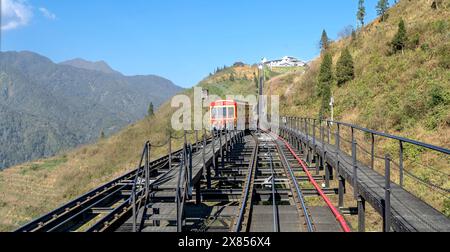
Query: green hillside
404	93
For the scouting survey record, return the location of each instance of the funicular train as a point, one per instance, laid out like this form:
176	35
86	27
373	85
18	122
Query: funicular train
230	114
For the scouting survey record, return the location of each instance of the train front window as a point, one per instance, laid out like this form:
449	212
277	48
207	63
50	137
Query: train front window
214	113
230	113
218	113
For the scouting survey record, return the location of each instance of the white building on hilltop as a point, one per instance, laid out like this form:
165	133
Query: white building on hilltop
286	61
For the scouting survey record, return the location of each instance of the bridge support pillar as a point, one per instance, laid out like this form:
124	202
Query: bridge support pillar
341	191
208	176
198	194
387	196
319	164
327	176
361	214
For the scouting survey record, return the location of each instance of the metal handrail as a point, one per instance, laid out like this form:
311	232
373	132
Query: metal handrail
183	185
293	124
382	134
138	194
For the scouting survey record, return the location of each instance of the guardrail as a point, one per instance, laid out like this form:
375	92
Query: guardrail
362	145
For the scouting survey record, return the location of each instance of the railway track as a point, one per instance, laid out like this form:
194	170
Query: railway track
273	195
259	185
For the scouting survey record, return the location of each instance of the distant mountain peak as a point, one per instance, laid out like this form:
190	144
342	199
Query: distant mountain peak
100	66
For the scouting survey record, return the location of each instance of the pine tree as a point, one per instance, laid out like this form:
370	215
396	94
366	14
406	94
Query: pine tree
382	7
344	68
325	81
361	14
151	111
400	39
324	41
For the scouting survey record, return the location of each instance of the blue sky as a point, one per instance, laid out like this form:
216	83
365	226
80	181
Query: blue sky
182	40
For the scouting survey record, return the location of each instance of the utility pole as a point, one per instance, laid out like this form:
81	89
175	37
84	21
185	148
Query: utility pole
332	108
260	93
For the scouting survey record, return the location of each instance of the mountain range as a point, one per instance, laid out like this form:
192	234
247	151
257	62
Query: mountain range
46	107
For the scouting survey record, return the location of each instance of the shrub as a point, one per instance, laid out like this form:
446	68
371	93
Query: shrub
437	96
425	47
444	56
440	26
400	39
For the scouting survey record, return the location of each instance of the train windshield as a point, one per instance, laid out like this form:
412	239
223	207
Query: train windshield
218	113
222	113
230	113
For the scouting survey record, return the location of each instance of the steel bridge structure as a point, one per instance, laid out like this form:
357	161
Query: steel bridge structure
291	180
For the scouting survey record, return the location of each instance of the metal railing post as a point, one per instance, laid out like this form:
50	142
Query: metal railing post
208	168
372	153
196	140
314	133
226	144
190	169
221	150
355	170
329	131
361	214
185	138
133	200
338	137
387	195
401	163
147	170
322	139
341	191
170	150
214	153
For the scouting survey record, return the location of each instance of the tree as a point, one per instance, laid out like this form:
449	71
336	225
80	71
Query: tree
151	111
324	41
400	39
325	81
344	68
361	14
232	78
382	7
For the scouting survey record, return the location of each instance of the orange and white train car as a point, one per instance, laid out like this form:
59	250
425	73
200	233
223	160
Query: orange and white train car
230	114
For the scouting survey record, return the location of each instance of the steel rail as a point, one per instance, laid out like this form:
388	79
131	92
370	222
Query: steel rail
246	196
300	195
276	225
333	209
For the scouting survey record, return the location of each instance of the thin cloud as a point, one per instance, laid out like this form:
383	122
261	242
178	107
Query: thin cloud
46	13
15	13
